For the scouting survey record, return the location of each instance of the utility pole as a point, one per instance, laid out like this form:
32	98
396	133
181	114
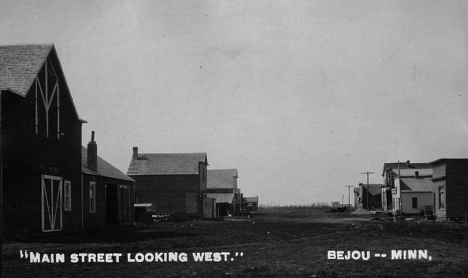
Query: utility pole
367	194
349	198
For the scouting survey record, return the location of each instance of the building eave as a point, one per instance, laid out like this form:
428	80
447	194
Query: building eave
439	178
12	91
415	191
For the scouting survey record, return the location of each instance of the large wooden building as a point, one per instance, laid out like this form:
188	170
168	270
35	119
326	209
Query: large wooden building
250	203
170	182
40	142
108	195
450	186
45	185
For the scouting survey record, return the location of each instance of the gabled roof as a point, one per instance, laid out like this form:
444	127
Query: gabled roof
222	197
405	165
412	172
166	164
416	184
104	168
19	65
222	178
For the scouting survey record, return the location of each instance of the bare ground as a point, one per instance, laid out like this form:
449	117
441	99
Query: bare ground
272	244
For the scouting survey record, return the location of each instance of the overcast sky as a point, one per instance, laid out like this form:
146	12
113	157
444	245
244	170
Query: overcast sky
300	96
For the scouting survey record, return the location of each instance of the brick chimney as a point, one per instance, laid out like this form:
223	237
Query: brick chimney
135	153
92	154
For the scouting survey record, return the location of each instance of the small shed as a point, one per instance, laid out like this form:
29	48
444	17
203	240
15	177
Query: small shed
224	203
209	208
250	203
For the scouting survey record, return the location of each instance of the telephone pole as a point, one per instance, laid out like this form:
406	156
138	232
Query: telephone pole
367	189
349	198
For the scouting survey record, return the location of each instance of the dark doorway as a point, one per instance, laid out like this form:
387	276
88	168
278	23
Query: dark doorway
389	199
223	209
124	204
112	214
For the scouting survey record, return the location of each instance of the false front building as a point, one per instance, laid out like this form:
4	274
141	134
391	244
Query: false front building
450	188
222	186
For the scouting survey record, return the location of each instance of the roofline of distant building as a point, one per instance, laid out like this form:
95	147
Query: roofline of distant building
446	159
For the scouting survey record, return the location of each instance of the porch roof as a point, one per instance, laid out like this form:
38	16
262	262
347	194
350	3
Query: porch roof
221	197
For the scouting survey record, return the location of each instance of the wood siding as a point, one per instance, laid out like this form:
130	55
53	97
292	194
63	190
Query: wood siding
423	199
27	155
438	171
439	213
101	217
169	193
209	208
457	188
455	183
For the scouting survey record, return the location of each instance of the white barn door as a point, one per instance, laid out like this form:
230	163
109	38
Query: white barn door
51	203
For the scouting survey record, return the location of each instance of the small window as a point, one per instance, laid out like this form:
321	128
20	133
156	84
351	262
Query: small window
67	194
415	202
92	197
441	197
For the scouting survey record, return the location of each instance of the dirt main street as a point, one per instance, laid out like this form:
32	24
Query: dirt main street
300	243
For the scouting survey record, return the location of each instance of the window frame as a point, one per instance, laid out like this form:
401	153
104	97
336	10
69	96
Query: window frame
441	194
67	206
414	202
92	197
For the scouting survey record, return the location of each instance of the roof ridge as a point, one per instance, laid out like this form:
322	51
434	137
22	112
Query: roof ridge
166	163
174	153
98	171
27	44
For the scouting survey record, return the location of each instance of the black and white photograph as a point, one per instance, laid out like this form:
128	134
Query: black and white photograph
222	138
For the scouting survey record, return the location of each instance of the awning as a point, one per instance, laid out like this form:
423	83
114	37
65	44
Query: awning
221	197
